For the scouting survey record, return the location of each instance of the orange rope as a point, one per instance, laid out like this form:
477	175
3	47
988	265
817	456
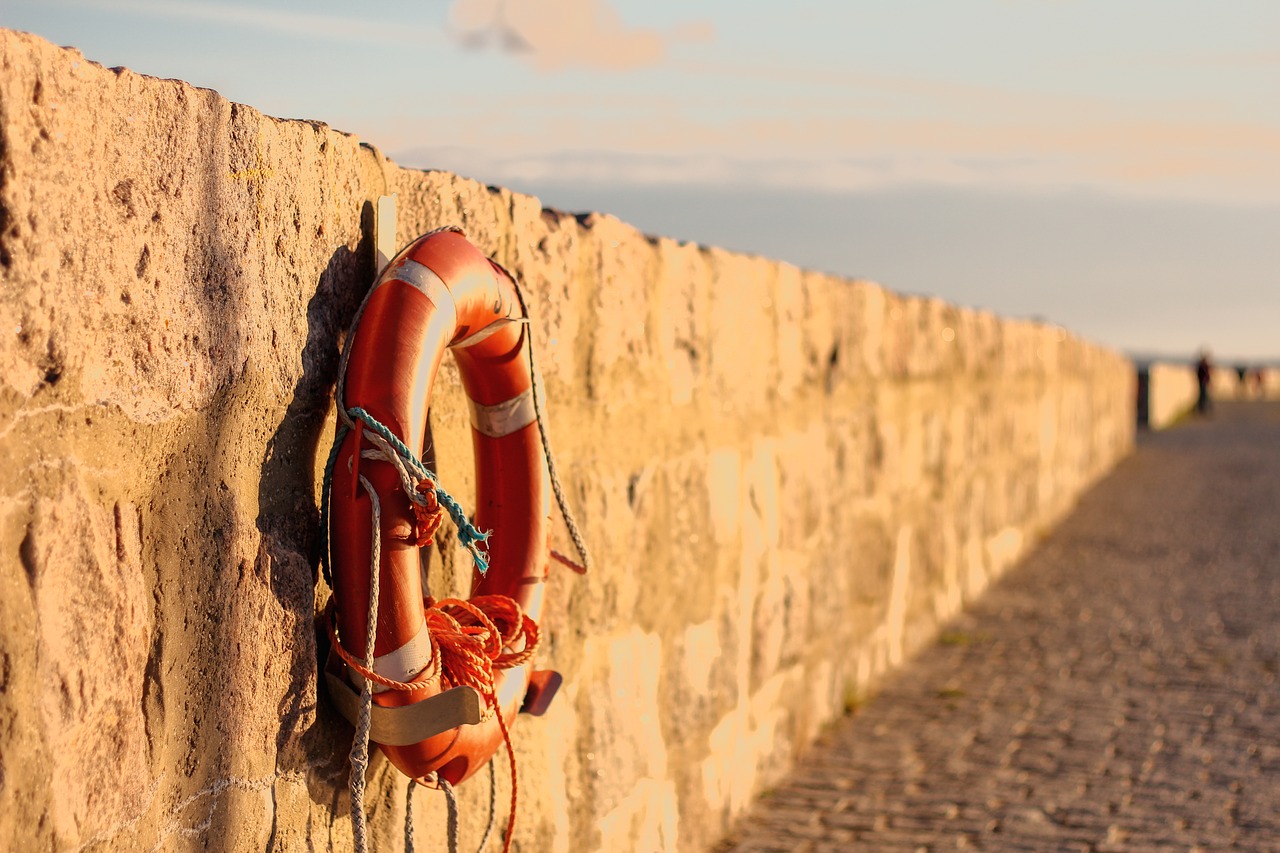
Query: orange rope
427	515
472	635
515	780
423	679
468	642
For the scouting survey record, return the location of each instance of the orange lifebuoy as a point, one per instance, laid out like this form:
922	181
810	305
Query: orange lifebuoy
439	293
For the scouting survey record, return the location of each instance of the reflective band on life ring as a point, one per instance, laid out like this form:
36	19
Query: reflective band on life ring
401	664
504	418
439	293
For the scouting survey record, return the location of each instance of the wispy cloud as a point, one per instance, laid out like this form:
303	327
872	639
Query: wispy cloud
561	34
837	91
846	129
836	154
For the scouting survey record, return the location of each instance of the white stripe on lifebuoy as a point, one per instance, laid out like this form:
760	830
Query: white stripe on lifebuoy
402	664
504	418
422	279
472	340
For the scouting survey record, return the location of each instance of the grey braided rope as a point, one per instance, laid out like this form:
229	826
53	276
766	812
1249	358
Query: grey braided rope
569	521
360	743
408	816
451	806
451	809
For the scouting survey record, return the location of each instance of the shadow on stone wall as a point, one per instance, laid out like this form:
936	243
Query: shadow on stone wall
289	518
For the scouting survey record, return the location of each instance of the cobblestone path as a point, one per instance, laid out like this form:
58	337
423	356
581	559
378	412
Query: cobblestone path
1115	692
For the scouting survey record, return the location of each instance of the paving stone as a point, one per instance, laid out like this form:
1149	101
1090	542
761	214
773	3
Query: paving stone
1114	692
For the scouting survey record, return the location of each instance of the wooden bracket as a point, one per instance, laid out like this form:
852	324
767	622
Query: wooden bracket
384	232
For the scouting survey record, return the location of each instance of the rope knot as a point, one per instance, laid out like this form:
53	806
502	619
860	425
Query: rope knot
427	514
474	637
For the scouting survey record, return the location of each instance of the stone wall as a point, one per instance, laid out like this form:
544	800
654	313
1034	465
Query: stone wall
1259	383
1171	389
789	480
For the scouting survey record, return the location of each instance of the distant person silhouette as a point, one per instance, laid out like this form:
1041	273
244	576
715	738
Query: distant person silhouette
1204	376
1242	381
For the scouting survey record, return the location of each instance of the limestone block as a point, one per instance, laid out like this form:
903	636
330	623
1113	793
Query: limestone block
845	327
902	432
683	308
781	618
1047	450
703	679
950	595
925	599
762	510
851	605
724	494
964	340
933	439
631	508
930	325
856	455
820	329
553	283
745	746
974	573
93	613
743	342
621	751
623	346
947	326
804	480
647	820
938	333
1020	343
1054	347
911	458
797	359
958	439
896	350
772	720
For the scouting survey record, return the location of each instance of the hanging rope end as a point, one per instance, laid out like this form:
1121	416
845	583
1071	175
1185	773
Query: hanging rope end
477	543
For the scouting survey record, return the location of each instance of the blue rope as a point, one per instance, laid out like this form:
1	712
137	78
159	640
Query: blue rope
470	537
468	534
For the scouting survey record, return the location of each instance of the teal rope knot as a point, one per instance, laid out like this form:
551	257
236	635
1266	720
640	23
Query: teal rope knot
473	539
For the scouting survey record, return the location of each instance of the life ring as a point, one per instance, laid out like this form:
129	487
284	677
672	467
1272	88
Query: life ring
439	293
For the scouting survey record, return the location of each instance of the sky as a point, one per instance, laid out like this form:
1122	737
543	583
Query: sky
1109	165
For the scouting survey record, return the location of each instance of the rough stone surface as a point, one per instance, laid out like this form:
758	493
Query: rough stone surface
789	481
1132	709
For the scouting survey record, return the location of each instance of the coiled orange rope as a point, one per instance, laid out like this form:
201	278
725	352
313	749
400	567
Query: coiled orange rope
469	641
